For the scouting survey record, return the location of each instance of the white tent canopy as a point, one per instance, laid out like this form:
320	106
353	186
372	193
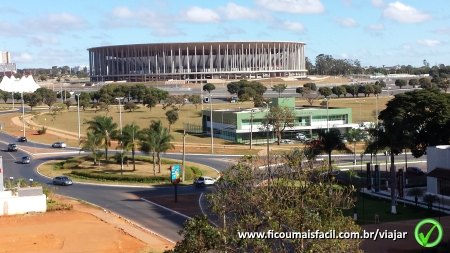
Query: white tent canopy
24	84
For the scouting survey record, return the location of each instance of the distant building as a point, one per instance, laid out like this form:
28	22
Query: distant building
236	124
80	69
5	57
438	170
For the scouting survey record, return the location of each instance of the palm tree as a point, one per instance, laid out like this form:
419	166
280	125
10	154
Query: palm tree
430	199
330	141
92	143
106	127
416	192
162	140
130	136
148	144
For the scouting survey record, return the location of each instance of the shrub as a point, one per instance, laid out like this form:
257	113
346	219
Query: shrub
118	157
100	176
43	130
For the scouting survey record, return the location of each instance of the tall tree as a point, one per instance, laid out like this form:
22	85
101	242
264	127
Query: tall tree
400	83
325	91
339	91
279	88
104	126
195	99
330	141
93	142
172	117
162	140
148	143
246	206
209	87
150	101
130	139
279	118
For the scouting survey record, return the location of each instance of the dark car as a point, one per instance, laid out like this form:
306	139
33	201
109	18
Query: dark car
62	180
22	139
414	171
12	147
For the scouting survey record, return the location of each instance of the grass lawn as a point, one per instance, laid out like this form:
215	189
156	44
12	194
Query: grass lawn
382	207
52	169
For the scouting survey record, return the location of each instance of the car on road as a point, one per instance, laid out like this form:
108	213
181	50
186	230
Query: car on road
26	159
203	180
287	142
12	147
62	180
22	139
414	171
59	145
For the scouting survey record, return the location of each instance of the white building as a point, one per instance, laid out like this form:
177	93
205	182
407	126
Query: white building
438	168
5	57
80	68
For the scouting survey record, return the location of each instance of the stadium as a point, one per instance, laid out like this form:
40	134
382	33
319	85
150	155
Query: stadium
197	61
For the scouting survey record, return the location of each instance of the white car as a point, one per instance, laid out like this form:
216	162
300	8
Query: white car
59	145
202	181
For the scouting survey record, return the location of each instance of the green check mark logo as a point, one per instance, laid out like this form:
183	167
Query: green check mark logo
423	240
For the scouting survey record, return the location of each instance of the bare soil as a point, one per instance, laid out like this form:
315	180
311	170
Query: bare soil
83	229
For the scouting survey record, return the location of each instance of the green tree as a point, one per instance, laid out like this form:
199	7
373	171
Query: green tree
93	142
130	139
311	86
138	92
400	83
33	99
150	101
444	85
425	83
413	82
148	143
325	91
48	97
279	88
172	117
339	91
279	118
430	199
298	202
156	139
130	106
64	94
195	99
209	87
104	126
330	141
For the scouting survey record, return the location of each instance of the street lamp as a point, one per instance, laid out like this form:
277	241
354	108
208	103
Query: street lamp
23	116
78	109
376	108
120	138
268	152
360	102
212	129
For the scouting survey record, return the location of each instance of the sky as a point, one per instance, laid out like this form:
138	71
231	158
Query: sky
45	33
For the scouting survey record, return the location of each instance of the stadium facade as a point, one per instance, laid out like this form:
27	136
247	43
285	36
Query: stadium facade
197	61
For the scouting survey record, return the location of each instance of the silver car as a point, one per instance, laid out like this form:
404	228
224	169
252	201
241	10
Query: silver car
59	145
62	180
26	159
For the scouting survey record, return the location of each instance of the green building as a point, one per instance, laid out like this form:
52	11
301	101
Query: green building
236	124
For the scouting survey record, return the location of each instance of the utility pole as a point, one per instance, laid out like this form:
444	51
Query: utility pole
251	130
211	121
184	154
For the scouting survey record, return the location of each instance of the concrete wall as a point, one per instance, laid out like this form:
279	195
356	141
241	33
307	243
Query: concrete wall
437	157
10	205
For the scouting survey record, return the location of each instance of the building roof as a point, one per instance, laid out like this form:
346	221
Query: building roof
440	173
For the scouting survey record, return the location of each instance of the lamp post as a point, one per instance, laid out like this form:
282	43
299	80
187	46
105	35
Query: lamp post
354	153
268	151
362	154
79	127
251	129
120	138
360	102
212	129
376	108
23	116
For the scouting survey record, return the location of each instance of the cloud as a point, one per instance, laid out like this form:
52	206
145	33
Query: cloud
429	43
9	30
55	23
405	14
234	11
289	26
160	23
292	6
378	3
376	27
406	47
39	41
349	3
21	57
344	56
225	33
442	30
346	22
199	15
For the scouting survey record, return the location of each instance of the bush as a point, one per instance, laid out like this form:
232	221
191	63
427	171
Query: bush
118	157
43	130
100	176
150	160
